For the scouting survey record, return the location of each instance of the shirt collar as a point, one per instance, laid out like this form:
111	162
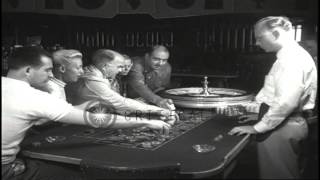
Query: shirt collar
286	49
91	70
58	82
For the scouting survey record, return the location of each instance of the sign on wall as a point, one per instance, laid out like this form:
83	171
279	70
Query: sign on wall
88	8
136	6
182	8
18	5
156	8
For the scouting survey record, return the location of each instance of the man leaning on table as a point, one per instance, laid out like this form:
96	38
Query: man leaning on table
23	105
149	75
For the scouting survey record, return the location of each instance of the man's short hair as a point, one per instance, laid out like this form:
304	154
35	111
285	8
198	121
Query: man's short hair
27	56
158	48
102	55
273	22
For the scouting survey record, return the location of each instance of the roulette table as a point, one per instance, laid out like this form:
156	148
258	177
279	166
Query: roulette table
199	142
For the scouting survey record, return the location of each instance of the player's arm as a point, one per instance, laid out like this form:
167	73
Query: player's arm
80	117
137	82
167	77
165	81
122	105
50	107
83	105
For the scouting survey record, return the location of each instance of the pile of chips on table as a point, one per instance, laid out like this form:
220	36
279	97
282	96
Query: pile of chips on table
238	109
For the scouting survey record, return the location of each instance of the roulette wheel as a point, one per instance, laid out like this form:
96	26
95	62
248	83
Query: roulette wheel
207	97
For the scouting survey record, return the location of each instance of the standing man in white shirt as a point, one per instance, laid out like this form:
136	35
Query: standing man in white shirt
289	89
23	106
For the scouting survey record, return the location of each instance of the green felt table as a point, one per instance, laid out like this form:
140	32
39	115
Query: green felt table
178	150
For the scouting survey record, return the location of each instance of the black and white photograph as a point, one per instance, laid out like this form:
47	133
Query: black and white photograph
159	89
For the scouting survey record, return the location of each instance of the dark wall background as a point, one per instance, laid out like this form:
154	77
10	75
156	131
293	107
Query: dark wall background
211	44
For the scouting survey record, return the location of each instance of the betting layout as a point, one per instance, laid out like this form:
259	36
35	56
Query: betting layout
144	138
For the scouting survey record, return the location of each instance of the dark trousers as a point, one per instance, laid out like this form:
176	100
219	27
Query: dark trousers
41	170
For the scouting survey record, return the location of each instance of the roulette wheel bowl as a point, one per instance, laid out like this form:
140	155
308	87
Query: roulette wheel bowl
193	97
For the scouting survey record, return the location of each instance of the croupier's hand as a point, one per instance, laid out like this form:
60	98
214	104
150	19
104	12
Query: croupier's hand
161	126
247	118
241	130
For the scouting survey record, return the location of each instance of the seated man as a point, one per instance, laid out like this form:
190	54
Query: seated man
149	75
67	68
122	76
118	83
96	84
23	106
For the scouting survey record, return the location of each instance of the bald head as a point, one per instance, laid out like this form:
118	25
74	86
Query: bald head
158	48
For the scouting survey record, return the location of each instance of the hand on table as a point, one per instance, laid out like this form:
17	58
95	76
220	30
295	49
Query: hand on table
161	126
167	104
171	117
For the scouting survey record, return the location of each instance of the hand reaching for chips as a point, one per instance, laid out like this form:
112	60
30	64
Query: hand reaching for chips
167	104
171	119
